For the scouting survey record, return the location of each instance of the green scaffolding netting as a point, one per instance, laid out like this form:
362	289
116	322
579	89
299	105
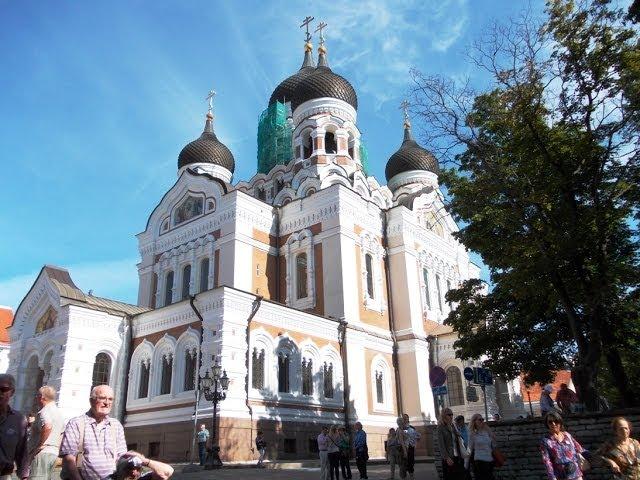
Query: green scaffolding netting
274	138
364	159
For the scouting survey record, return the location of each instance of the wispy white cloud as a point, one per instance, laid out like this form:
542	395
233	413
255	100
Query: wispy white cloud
379	41
116	279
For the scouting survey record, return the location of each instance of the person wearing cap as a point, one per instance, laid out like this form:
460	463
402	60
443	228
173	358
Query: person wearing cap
546	402
13	433
462	428
46	431
130	467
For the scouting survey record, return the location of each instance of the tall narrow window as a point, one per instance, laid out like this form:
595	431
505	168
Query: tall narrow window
283	373
379	389
427	292
330	143
204	275
190	357
257	369
143	385
327	376
168	288
368	260
101	370
307	148
448	290
307	377
454	386
439	291
301	275
186	281
154	288
165	380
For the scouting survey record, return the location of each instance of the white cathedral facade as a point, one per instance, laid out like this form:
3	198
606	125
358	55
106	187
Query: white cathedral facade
320	291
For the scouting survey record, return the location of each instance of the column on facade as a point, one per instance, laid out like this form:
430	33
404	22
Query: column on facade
175	290
159	281
342	141
195	271
413	361
211	249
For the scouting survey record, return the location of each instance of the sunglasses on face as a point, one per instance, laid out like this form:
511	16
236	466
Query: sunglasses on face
553	422
6	389
479	419
449	414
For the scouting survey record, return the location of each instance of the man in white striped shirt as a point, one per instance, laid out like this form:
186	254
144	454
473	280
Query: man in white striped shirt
97	436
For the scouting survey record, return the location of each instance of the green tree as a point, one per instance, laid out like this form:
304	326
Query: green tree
544	179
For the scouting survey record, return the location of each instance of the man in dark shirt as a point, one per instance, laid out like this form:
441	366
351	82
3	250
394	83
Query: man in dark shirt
13	433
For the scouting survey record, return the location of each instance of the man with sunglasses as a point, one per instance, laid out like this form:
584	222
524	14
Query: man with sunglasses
13	433
92	443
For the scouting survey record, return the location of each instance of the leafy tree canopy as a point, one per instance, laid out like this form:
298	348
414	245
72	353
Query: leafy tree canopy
544	177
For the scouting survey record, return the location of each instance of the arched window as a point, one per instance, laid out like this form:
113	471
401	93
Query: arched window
168	288
301	276
204	275
368	259
379	387
327	376
307	376
330	143
257	369
101	370
283	373
427	293
454	386
190	358
307	145
143	385
439	290
186	281
165	378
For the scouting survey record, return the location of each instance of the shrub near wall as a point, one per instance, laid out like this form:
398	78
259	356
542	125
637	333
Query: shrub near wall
519	440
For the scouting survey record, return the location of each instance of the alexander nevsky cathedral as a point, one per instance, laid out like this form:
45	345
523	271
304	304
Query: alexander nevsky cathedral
319	291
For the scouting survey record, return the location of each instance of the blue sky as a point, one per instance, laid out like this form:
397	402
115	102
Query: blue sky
98	99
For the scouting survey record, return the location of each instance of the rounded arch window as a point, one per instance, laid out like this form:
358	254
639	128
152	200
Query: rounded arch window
307	144
454	386
101	370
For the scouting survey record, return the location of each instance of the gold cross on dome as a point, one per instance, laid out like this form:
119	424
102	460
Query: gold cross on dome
319	29
209	98
305	23
404	106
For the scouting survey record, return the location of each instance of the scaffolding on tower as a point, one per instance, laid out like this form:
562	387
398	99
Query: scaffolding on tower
274	137
364	159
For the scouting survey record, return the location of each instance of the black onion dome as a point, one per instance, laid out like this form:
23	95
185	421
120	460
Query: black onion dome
410	156
324	83
284	92
207	149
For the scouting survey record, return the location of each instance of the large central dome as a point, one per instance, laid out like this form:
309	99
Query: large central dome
284	92
322	82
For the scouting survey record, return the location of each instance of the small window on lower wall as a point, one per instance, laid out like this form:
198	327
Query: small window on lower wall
290	445
313	445
154	450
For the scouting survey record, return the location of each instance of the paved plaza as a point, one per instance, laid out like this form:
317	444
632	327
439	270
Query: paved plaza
423	471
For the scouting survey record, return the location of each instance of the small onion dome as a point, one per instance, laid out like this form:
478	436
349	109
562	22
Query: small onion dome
207	149
284	92
324	83
410	156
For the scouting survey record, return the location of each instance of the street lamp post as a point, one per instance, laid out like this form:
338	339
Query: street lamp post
214	389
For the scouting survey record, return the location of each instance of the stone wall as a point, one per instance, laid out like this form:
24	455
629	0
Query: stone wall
519	440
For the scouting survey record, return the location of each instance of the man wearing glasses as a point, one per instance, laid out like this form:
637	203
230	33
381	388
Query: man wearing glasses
92	443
